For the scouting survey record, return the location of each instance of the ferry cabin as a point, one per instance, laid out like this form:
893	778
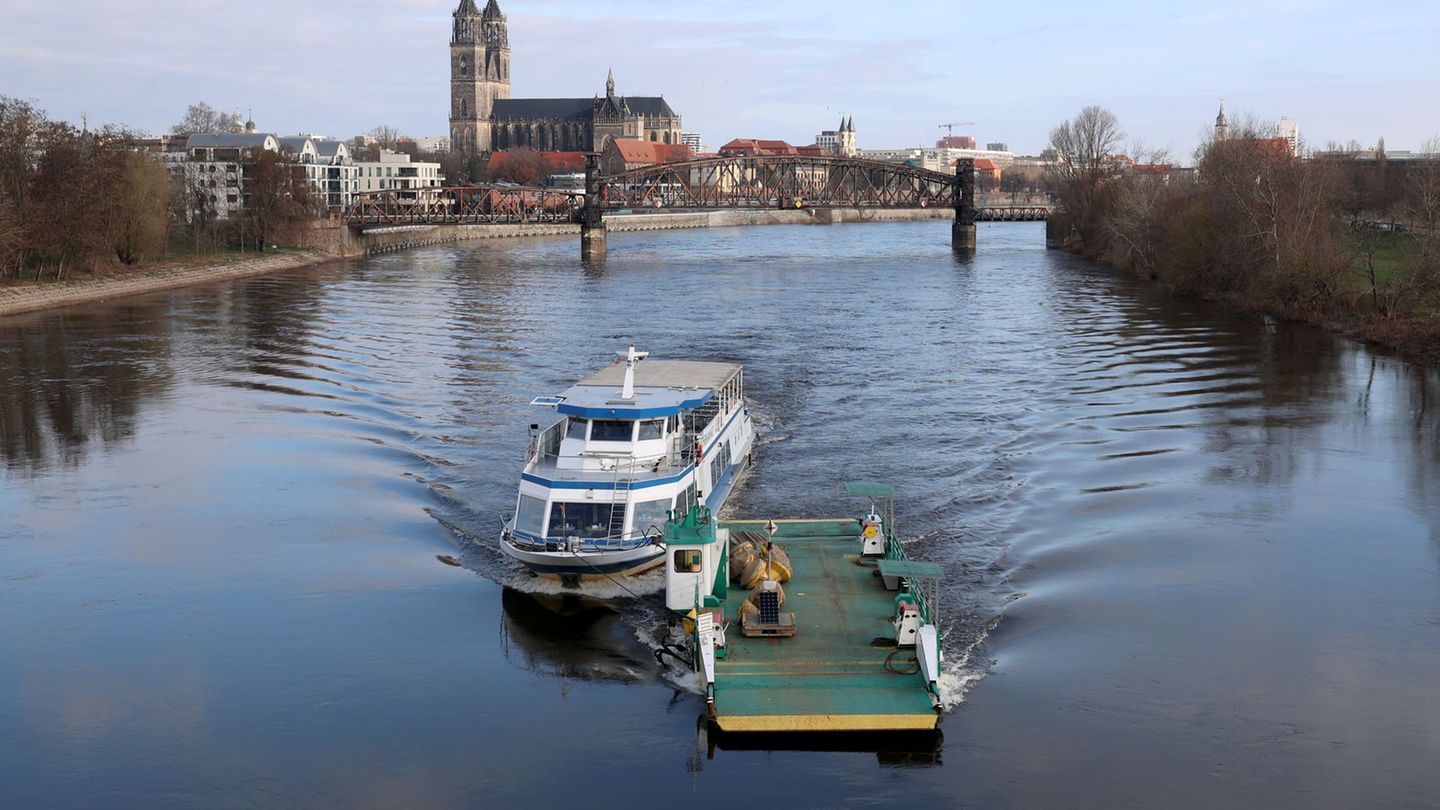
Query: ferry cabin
605	476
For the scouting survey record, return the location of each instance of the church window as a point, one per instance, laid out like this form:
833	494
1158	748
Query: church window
464	107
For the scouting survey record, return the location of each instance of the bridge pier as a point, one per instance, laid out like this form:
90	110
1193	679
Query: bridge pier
592	241
592	218
962	233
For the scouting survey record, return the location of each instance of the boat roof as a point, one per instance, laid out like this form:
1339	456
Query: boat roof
662	388
667	374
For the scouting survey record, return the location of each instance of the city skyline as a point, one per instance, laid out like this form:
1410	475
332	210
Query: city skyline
752	69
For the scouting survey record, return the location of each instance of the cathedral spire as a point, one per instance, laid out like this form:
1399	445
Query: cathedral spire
609	82
1222	126
492	9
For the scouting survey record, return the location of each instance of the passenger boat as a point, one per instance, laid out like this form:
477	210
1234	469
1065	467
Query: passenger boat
635	441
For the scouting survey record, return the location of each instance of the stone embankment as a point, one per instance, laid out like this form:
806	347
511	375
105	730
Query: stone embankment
30	297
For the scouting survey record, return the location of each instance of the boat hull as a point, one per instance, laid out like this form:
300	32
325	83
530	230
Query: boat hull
586	565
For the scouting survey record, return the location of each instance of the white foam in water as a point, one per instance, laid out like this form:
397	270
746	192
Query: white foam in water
678	675
956	681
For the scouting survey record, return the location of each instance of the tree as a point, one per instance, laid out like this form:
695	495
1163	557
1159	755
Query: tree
523	166
277	196
138	208
201	117
386	136
1083	144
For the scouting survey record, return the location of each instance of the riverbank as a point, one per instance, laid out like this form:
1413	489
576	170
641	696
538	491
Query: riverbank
16	299
1416	336
340	243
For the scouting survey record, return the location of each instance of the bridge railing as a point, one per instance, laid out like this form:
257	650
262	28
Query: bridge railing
465	205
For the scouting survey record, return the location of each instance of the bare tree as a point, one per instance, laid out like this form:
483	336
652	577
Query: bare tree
1083	144
386	136
201	117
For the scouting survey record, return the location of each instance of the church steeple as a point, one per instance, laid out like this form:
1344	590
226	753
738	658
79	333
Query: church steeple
609	82
479	73
1222	126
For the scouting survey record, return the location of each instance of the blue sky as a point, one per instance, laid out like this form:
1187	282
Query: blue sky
783	69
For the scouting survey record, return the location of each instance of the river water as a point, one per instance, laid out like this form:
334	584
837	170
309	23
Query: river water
1194	555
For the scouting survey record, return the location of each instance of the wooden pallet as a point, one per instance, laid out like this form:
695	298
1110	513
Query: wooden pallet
783	628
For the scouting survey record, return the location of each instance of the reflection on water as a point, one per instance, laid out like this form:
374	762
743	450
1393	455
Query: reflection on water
573	638
1194	551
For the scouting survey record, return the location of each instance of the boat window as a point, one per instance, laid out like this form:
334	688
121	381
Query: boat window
580	519
650	514
530	517
687	561
612	430
651	429
684	501
577	429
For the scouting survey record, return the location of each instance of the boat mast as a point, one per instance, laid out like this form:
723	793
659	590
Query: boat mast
631	357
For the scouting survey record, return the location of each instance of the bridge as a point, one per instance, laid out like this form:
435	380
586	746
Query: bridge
754	182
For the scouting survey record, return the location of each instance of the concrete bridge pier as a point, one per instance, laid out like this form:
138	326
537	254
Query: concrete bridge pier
962	233
592	241
592	218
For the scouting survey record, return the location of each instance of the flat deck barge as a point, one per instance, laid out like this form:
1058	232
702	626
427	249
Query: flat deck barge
829	676
841	670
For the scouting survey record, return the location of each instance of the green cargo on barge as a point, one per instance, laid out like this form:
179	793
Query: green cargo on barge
841	670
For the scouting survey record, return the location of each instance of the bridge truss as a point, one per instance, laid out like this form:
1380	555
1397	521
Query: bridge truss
465	205
775	181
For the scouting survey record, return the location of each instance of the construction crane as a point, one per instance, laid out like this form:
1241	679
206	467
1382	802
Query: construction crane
950	128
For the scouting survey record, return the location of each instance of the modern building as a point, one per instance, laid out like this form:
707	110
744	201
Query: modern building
1288	129
484	117
434	144
395	171
938	160
694	141
211	168
998	146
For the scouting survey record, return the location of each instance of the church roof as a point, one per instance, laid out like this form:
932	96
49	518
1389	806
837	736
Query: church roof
579	109
542	108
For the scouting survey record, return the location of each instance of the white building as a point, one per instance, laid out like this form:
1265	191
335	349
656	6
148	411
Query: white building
328	168
435	144
1289	129
938	160
396	171
694	141
212	167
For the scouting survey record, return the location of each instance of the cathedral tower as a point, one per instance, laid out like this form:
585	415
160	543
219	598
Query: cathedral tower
1222	126
479	74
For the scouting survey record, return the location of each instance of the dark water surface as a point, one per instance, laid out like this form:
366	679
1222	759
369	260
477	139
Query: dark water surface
1194	555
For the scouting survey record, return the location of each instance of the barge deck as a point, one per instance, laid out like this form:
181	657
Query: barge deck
830	676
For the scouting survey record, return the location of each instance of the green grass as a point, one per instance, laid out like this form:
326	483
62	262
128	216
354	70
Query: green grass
1392	254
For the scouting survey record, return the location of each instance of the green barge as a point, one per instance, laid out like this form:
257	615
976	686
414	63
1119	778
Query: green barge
839	634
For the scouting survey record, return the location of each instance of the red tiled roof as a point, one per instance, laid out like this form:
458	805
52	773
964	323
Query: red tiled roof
650	152
986	165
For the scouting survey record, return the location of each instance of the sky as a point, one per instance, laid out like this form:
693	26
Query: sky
746	68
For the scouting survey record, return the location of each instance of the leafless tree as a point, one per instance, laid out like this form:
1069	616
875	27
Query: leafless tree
1083	145
386	136
201	117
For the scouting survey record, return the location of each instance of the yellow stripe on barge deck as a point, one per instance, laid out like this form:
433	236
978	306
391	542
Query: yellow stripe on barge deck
828	677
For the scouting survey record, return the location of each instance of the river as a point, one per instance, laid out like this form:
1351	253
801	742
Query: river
1193	554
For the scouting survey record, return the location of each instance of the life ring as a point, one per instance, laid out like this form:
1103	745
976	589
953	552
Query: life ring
699	451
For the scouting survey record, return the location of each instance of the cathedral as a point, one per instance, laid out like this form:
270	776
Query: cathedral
484	118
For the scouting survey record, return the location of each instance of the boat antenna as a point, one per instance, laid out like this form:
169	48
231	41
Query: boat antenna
630	357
